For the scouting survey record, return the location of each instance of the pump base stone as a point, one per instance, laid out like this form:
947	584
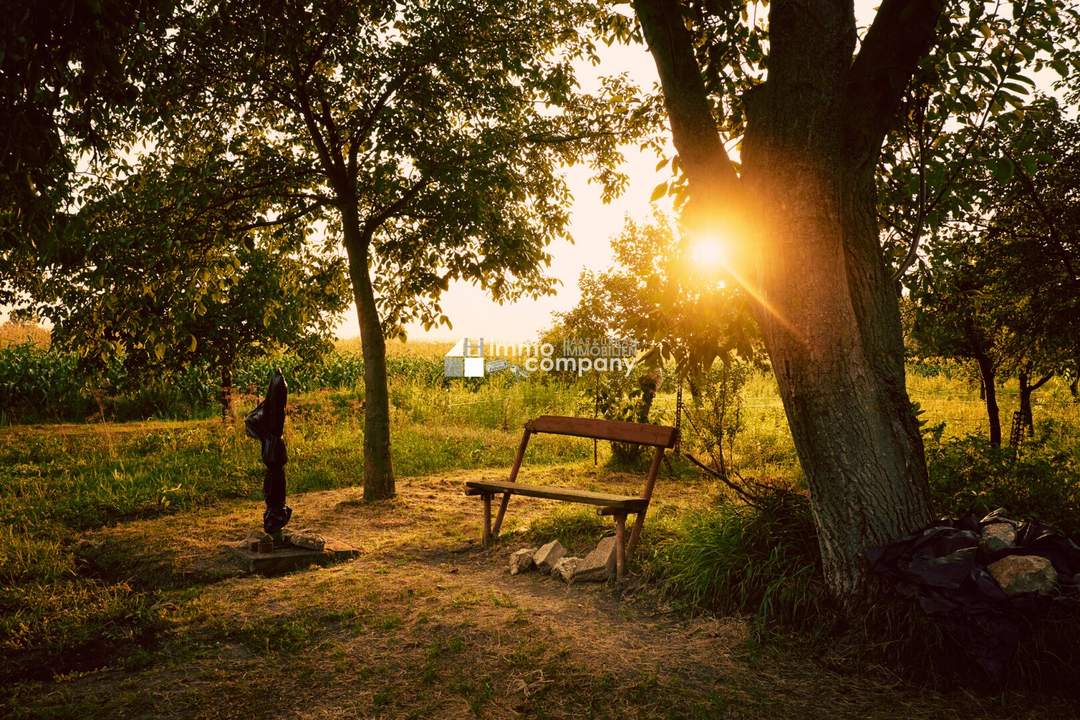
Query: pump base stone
286	559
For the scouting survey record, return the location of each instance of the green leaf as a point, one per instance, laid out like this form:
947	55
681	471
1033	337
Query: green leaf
658	192
1002	169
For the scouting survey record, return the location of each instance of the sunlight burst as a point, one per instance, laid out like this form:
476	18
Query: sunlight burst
710	252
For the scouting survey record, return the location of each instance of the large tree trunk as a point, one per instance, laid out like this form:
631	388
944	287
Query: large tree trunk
832	329
378	473
827	310
987	373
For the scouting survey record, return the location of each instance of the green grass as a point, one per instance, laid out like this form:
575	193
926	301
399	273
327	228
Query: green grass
743	560
84	476
58	482
67	609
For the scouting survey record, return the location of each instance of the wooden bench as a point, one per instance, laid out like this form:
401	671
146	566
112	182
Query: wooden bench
618	506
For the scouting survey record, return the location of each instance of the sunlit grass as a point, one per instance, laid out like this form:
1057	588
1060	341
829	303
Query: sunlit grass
400	348
17	333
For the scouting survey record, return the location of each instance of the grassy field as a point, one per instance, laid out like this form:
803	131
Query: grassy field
117	597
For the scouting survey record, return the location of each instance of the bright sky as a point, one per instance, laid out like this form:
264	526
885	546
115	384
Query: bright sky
592	225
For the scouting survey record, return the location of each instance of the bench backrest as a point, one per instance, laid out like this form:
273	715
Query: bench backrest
617	430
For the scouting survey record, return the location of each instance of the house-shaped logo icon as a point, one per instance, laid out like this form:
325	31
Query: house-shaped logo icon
465	359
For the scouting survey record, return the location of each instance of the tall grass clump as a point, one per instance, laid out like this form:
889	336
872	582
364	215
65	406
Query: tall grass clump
757	559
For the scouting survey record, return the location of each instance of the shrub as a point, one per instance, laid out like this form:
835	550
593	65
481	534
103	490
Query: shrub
1042	482
38	383
760	560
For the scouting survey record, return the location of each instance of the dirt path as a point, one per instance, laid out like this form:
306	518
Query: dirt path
427	624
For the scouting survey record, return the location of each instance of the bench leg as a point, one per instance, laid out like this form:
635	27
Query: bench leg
513	477
635	532
487	519
620	546
502	511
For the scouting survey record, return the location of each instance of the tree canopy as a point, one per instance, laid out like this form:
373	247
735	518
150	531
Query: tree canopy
424	139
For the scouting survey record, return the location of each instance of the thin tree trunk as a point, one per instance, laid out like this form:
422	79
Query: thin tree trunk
227	415
378	472
1027	388
1026	421
987	374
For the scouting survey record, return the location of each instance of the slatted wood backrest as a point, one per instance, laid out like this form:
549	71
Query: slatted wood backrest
660	436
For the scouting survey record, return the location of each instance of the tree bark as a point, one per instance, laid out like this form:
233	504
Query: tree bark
831	325
1027	388
987	374
827	310
227	415
378	472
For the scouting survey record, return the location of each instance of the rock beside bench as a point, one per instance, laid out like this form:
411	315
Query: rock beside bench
522	561
549	554
551	559
598	565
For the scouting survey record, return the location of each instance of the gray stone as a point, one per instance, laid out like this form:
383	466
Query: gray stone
546	557
304	539
286	559
566	569
259	542
522	561
1023	574
598	565
997	536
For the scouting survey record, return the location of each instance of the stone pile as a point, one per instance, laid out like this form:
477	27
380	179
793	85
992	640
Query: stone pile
551	559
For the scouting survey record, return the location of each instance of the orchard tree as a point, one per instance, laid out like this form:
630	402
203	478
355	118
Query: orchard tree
818	102
673	296
998	283
956	313
1034	247
428	135
69	73
167	268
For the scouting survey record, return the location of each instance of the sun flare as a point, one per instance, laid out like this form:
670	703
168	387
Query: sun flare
710	252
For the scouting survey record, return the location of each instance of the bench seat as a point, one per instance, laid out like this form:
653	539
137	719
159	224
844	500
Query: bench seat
627	503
